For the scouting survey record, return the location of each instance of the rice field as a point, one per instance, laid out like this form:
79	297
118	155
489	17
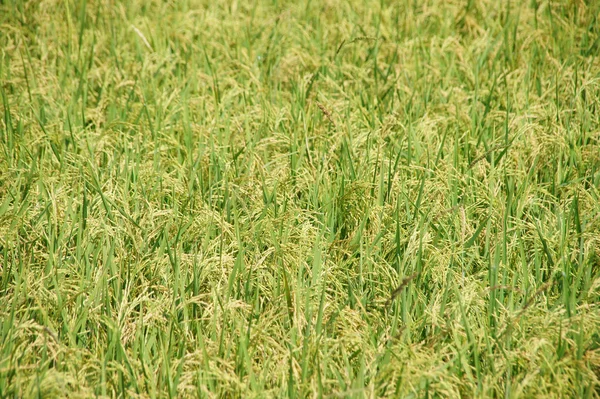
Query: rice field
299	199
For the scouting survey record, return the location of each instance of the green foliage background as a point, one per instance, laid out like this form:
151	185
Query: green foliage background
304	199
